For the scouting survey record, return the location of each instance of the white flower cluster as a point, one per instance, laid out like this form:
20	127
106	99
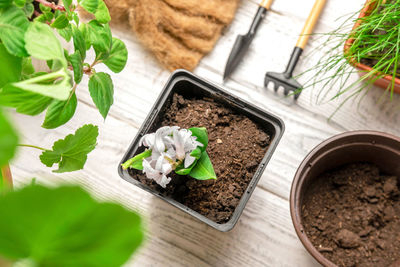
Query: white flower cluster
169	146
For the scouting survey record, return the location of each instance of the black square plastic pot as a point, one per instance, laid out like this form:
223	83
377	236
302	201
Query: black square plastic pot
189	85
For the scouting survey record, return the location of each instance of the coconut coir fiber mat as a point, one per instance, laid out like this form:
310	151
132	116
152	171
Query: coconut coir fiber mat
178	32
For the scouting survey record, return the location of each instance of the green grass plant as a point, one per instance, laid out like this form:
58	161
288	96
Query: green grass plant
376	44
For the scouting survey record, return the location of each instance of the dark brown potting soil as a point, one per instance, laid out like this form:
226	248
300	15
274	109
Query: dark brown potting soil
236	147
352	216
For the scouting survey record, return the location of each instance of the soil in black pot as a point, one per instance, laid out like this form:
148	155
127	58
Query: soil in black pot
352	216
236	147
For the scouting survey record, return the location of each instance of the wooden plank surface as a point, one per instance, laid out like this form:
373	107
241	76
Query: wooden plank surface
264	236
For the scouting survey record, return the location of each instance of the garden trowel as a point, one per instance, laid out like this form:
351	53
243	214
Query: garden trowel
285	79
243	42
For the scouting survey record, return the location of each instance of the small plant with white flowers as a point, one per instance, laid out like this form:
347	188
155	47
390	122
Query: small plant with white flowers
173	149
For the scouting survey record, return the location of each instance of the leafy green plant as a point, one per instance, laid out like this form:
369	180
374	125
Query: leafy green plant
172	149
65	226
27	34
375	42
61	226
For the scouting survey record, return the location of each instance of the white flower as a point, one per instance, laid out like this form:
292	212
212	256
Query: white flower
157	169
170	146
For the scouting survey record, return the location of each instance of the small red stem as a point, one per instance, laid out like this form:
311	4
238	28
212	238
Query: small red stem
51	5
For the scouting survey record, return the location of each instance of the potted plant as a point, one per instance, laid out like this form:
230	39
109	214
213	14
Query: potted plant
27	33
241	139
345	200
371	49
380	19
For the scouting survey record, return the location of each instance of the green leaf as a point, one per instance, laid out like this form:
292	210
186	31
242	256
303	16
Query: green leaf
89	5
8	141
181	170
44	8
60	112
102	15
202	136
116	61
66	32
84	30
60	22
24	102
59	90
203	169
65	226
28	9
42	43
19	3
27	67
67	4
100	36
5	3
71	152
137	161
13	25
101	90
76	61
79	41
10	67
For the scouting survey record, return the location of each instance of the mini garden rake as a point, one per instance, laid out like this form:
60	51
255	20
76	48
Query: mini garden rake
285	79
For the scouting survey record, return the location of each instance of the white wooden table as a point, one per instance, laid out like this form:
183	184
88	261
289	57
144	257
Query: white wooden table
264	235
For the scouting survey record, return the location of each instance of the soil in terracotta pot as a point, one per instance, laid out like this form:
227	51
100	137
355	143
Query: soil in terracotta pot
236	147
352	216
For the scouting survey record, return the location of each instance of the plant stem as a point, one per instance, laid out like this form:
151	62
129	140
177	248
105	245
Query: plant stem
51	5
32	146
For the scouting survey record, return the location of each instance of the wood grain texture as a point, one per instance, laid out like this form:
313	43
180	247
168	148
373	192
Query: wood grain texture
264	236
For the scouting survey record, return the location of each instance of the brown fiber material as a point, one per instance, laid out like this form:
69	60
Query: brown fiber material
178	32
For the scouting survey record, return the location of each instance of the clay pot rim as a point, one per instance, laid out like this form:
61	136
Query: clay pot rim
297	186
369	5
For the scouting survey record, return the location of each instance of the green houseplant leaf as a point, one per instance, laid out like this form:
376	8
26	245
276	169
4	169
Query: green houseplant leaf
100	36
60	112
89	5
42	43
101	90
60	22
71	152
39	84
8	140
13	25
118	56
79	41
204	169
5	3
202	136
181	170
65	226
10	67
24	102
76	61
102	15
137	161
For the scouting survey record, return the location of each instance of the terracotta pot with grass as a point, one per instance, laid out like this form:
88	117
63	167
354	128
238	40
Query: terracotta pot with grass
384	82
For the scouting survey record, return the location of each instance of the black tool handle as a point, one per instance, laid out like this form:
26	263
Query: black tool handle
294	58
261	11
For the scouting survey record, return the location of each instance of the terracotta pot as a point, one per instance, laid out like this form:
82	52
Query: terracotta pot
378	148
384	82
6	173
